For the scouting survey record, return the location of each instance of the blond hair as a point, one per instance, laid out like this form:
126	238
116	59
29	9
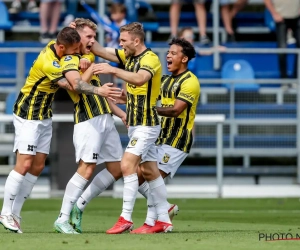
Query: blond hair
135	29
82	22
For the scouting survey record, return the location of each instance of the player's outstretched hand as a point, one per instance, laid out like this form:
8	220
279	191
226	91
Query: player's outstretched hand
103	68
84	64
109	92
72	25
122	99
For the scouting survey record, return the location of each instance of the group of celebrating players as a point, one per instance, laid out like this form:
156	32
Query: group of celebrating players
159	137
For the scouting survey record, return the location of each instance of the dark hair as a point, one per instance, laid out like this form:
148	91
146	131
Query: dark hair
187	48
135	29
67	37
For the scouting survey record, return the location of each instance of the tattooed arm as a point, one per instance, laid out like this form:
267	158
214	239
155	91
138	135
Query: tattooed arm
80	86
63	83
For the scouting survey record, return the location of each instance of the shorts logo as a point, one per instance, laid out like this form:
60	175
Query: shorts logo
166	158
95	156
68	58
31	147
133	142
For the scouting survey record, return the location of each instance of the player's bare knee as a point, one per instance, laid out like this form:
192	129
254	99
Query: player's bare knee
37	169
115	169
128	168
86	169
147	172
23	164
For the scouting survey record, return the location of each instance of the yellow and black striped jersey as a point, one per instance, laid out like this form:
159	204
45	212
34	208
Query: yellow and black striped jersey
141	100
177	131
36	97
85	106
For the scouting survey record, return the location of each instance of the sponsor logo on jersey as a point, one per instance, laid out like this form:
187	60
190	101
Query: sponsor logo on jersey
56	64
68	58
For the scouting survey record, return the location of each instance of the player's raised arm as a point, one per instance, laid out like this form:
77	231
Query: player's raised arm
105	52
136	78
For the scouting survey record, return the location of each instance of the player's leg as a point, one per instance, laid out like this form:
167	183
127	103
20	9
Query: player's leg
87	142
157	188
129	164
27	186
73	191
157	197
100	183
110	153
25	146
42	151
169	160
11	189
140	139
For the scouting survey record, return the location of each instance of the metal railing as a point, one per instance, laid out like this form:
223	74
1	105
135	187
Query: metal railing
232	122
216	120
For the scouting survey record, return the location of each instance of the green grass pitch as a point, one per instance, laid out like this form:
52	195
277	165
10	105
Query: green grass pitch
217	224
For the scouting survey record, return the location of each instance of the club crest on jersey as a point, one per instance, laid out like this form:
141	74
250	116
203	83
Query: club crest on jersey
175	86
166	158
56	64
136	67
68	58
133	142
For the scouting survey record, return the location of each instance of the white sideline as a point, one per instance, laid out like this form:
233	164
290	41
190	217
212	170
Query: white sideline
190	191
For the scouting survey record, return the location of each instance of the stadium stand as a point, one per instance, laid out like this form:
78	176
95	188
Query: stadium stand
5	23
261	119
239	69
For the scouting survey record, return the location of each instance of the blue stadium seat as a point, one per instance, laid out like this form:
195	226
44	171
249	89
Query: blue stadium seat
5	24
239	69
264	65
10	100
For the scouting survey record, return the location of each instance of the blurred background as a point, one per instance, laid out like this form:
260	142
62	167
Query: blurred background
247	65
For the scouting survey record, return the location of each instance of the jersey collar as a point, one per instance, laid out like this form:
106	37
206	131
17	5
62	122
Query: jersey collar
54	51
180	74
146	50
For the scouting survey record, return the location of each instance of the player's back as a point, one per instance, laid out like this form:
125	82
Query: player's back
36	96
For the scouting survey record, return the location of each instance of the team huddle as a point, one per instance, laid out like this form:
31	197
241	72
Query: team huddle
160	138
